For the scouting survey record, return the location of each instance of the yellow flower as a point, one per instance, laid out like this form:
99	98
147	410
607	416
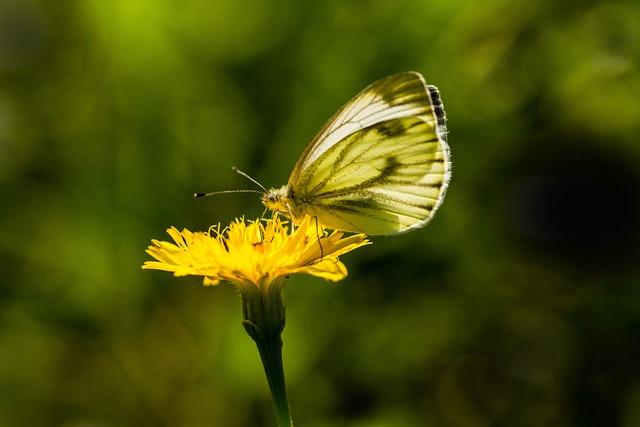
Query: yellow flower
254	253
256	256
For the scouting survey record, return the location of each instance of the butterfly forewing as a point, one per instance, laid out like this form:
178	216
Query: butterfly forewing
381	165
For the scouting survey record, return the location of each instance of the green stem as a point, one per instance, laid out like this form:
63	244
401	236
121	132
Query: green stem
264	318
271	355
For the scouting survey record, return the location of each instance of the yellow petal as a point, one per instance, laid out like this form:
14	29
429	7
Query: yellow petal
330	269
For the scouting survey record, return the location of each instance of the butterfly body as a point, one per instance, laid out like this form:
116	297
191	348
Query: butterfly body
280	200
379	166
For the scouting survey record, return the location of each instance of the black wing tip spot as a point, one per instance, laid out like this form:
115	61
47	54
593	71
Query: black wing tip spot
438	108
435	94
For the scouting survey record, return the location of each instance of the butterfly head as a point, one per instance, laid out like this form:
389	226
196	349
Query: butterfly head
277	199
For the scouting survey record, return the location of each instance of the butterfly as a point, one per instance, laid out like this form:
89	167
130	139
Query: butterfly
380	165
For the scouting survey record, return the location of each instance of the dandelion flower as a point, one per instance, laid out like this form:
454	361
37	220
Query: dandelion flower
256	256
254	253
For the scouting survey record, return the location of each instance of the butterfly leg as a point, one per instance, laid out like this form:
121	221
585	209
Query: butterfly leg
318	237
293	225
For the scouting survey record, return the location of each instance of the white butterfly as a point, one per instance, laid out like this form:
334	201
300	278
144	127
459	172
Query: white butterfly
379	166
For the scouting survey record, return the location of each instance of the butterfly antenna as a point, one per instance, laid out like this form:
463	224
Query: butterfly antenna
235	169
213	193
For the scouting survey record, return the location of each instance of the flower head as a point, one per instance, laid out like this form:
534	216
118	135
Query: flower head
254	253
256	256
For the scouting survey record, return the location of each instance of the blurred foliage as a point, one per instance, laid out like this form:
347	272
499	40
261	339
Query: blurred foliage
518	306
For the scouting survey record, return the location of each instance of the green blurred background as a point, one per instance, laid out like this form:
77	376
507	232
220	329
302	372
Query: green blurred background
519	305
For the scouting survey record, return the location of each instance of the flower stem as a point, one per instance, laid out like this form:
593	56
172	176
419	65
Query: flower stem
271	354
263	315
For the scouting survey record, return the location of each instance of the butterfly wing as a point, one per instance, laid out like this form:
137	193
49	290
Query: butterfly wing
381	164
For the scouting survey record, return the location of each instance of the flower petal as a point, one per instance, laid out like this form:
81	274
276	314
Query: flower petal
330	269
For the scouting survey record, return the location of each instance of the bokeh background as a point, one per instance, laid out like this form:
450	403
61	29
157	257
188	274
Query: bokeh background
519	305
